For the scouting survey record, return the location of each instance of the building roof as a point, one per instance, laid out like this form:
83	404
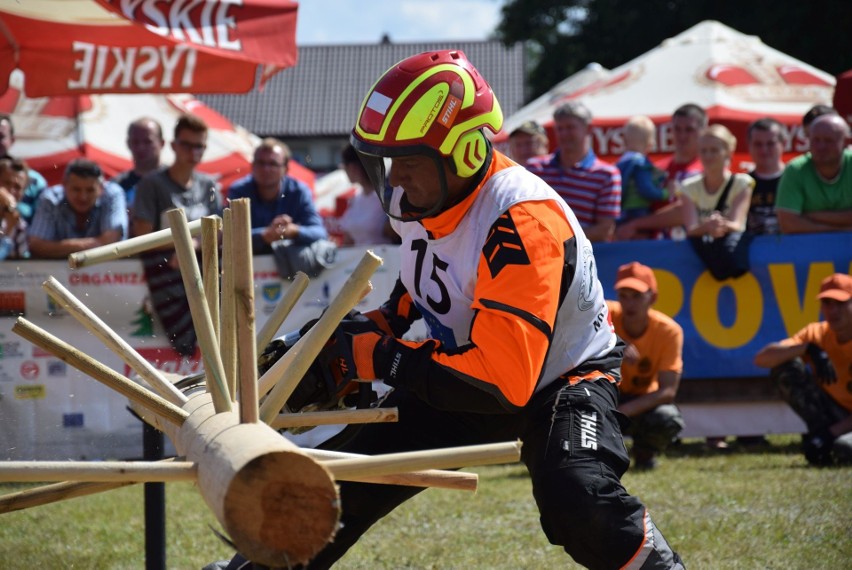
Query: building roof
320	96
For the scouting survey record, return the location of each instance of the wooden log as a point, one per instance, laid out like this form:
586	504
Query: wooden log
98	371
127	247
96	471
466	456
46	494
454	480
288	300
244	301
113	341
285	374
277	504
201	320
210	259
228	327
307	419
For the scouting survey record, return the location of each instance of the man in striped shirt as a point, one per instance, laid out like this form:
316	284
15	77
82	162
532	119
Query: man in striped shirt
590	186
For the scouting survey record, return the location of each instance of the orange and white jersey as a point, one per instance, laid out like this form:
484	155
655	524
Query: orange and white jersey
506	281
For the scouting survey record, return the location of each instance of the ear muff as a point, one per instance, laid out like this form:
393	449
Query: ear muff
469	154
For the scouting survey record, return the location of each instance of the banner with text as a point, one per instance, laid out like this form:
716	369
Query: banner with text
49	410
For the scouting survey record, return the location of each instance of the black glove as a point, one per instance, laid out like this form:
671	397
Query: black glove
328	382
823	369
817	447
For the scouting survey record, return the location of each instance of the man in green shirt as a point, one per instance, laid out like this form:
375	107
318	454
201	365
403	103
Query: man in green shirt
815	191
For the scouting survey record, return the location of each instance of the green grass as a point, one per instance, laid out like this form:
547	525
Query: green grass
763	508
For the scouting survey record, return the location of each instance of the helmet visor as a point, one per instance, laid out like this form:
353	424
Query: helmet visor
394	200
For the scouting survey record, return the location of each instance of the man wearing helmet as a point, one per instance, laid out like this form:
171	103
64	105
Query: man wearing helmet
521	344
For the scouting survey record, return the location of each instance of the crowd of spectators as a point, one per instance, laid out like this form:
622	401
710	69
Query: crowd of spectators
635	198
647	200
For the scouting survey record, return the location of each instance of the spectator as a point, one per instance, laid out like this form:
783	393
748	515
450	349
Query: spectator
364	222
821	396
177	186
688	121
36	182
527	141
13	227
591	187
715	206
145	141
815	191
81	213
766	139
652	365
281	206
817	110
641	181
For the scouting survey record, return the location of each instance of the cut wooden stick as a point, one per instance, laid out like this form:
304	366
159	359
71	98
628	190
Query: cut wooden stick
466	456
244	301
113	341
285	374
97	471
55	492
306	419
210	259
213	368
127	247
98	371
455	480
288	300
228	326
228	345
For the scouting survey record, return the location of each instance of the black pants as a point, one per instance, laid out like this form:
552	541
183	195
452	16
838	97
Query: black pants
573	449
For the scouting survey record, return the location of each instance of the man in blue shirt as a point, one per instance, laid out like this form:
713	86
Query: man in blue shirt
81	213
36	182
281	206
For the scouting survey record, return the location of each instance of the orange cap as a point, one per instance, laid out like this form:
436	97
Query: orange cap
837	287
636	276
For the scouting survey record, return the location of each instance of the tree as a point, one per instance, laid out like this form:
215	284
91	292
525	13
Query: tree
564	36
144	321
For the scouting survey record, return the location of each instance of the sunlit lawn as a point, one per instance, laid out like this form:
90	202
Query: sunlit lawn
760	508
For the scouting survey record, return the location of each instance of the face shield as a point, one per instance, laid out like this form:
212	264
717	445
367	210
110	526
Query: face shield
405	204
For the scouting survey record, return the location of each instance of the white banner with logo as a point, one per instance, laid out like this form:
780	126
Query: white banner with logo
49	410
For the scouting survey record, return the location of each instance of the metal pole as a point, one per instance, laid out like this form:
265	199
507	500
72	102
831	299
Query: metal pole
155	503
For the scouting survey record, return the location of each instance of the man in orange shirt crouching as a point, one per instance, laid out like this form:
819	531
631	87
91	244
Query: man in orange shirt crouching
652	365
823	396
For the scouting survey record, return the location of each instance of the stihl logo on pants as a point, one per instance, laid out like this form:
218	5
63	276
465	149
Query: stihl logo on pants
588	430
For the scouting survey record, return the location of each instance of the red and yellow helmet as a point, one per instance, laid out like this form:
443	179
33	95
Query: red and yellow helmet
434	103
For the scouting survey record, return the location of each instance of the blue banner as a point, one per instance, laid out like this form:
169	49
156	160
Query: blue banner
726	322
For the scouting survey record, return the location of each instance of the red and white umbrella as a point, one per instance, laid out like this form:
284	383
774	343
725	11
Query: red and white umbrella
735	77
52	131
73	47
75	73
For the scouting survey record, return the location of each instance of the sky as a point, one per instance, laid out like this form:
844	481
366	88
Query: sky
366	21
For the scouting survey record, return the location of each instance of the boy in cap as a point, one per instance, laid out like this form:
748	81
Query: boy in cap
652	365
822	397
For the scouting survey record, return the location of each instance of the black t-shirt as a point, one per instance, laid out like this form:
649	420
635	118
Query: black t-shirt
762	218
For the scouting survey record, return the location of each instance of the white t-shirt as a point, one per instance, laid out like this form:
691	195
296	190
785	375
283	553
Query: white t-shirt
364	219
694	189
